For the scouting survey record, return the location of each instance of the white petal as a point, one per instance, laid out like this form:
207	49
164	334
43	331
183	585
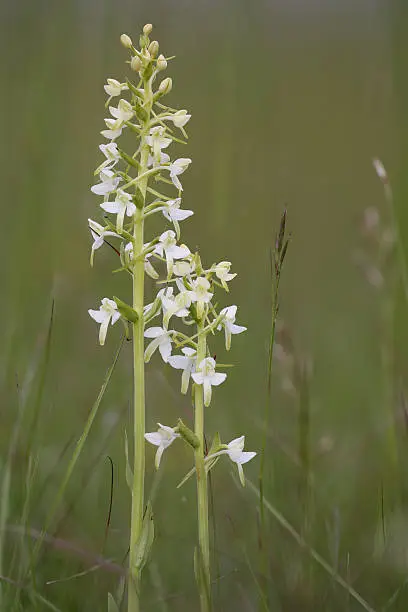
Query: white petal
97	315
153	332
178	362
218	378
165	350
154	438
197	377
245	457
102	331
111	207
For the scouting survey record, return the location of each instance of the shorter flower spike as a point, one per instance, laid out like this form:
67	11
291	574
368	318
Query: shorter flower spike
162	438
108	312
207	376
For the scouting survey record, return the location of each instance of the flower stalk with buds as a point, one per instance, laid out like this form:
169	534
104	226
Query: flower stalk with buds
185	295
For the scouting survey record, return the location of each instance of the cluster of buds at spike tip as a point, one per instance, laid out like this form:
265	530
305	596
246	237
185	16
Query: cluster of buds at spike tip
186	289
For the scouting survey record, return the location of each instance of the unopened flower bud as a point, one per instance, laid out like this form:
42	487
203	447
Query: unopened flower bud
126	41
153	48
161	63
147	28
165	86
146	57
135	63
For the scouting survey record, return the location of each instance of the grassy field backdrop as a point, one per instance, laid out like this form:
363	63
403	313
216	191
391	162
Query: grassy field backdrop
290	102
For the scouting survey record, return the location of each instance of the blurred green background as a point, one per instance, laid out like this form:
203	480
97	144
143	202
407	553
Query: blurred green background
290	101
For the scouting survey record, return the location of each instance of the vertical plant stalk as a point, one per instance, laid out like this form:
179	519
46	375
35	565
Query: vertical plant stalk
278	256
138	370
202	561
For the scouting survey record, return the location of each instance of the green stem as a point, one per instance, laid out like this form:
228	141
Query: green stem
138	374
202	561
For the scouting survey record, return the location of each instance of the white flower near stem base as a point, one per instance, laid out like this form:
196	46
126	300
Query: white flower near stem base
108	312
222	272
177	168
228	323
98	234
200	294
161	340
122	206
208	377
185	362
164	159
157	141
167	245
114	88
235	451
124	112
109	183
162	438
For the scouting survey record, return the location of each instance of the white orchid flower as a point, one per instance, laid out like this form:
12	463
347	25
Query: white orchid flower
109	183
173	212
228	323
114	88
179	118
185	362
122	206
175	305
200	294
98	234
161	340
235	451
157	141
183	268
114	129
108	312
168	245
150	271
222	272
112	155
124	112
208	377
162	438
177	168
163	159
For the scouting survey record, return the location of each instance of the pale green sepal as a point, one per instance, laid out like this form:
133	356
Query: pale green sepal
112	605
126	311
129	471
145	541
